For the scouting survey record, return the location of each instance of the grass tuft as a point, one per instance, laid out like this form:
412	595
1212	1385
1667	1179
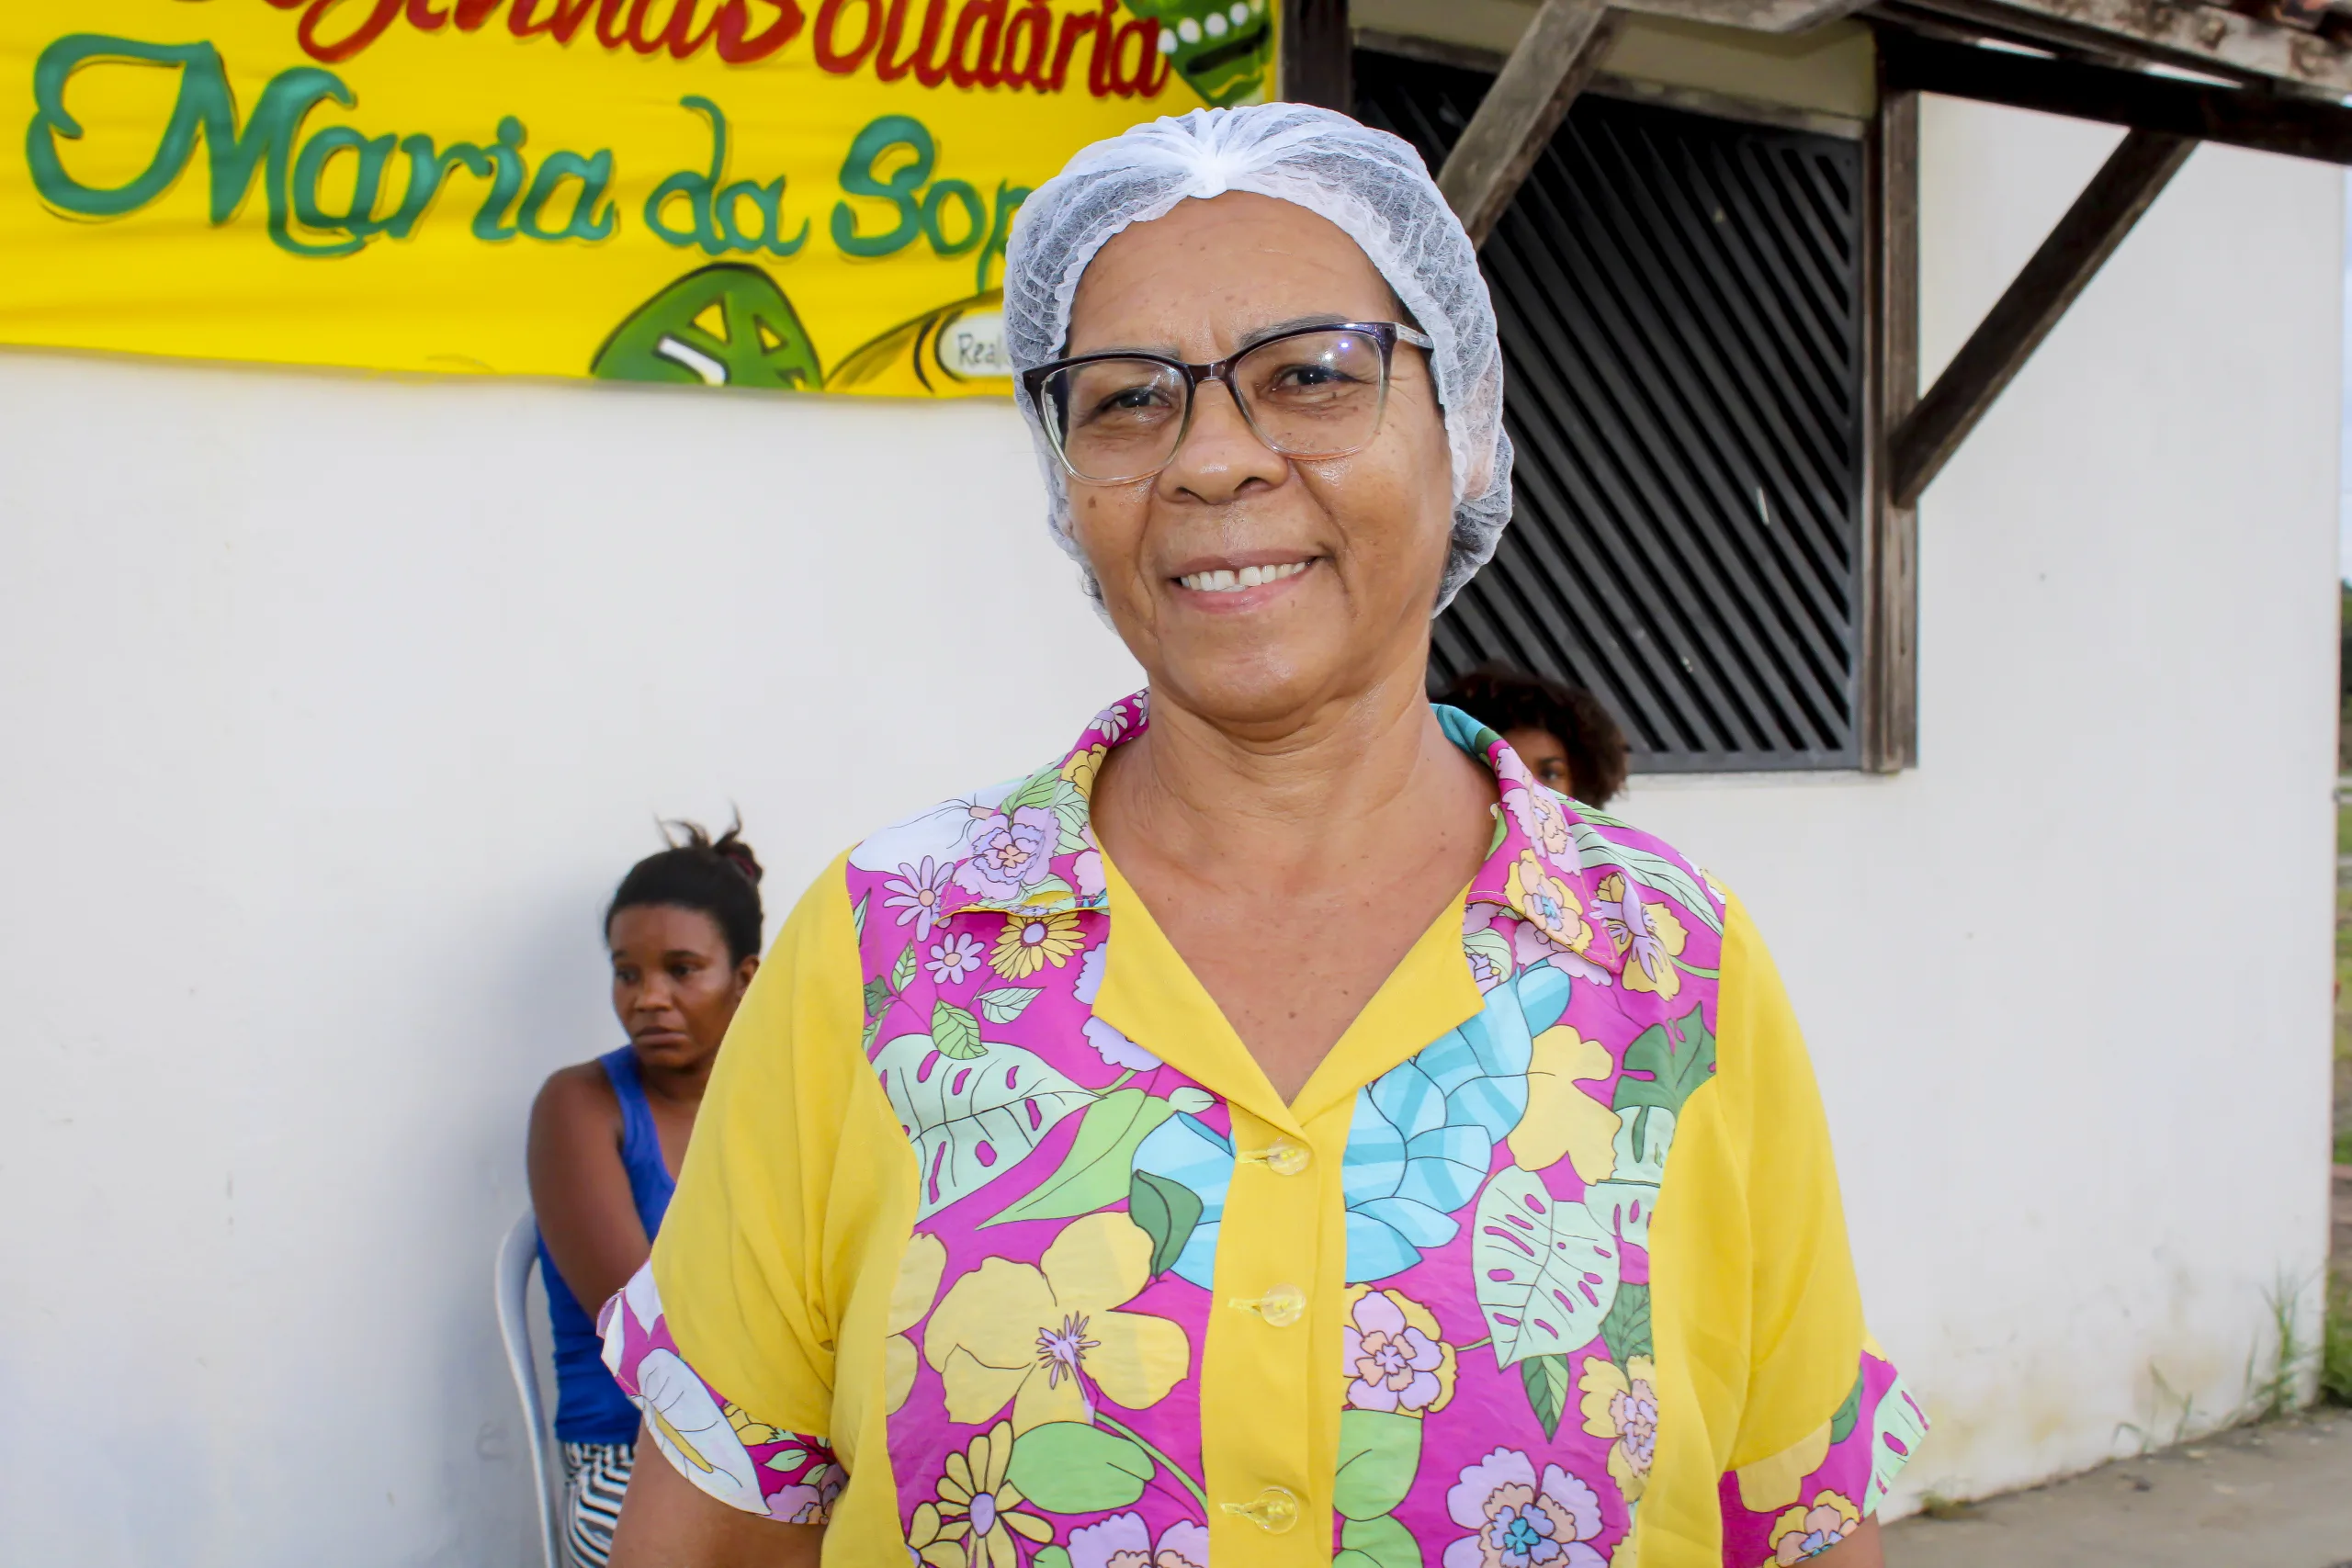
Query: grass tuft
2336	1344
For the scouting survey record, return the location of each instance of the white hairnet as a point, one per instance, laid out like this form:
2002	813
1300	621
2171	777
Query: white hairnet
1373	186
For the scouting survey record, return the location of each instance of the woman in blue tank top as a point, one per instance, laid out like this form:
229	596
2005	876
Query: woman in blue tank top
607	1136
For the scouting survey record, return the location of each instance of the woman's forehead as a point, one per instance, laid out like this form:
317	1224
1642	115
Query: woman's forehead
1246	263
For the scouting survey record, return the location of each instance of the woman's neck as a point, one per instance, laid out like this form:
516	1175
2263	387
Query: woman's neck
1320	798
680	1087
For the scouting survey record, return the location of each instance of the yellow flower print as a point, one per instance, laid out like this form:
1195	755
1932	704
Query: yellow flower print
1561	1120
1545	902
918	1286
1649	934
1620	1403
980	1508
1083	766
1803	1533
751	1432
1028	942
1778	1480
928	1543
1047	1339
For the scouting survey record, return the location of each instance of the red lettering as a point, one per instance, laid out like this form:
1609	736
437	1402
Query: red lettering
1161	67
831	56
993	41
1146	33
1074	27
1106	50
1035	23
989	16
679	35
383	14
928	69
560	24
738	49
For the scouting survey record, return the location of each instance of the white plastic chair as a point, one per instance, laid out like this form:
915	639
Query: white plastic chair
517	1255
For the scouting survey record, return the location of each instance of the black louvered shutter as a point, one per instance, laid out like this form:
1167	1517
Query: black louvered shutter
1680	299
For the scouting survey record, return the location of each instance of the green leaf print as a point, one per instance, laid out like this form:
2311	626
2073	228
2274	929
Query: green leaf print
1679	1055
1896	1430
857	917
1652	871
1068	1466
1046	893
726	325
1626	1330
1052	1557
1374	1543
1166	1211
1492	946
955	1034
878	997
1546	1381
1007	1002
873	1028
1379	1452
1546	1270
1640	1145
1848	1413
1093	1175
970	1121
904	969
1038	789
1623	1208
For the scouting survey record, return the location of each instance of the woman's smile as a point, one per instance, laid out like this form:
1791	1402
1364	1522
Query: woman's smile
1232	585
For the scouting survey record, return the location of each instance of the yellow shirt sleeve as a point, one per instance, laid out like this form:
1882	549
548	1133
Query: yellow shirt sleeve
792	1207
1759	1346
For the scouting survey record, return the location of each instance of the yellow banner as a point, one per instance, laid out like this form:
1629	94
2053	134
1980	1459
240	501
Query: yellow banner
770	192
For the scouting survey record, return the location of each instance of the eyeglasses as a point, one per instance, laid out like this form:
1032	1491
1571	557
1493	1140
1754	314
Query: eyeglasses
1309	392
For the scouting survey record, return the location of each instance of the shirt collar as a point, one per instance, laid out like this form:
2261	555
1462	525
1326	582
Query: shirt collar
1034	851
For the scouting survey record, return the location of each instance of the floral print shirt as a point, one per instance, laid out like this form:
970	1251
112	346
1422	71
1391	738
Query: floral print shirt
995	1248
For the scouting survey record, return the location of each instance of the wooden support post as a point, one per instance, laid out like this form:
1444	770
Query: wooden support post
1559	51
1318	54
1888	693
2131	179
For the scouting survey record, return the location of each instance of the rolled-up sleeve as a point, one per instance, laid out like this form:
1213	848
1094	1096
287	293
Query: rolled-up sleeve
728	1340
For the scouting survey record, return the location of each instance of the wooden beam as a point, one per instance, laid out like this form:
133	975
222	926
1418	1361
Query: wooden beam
2269	122
2131	179
1318	54
1561	48
2217	39
1889	682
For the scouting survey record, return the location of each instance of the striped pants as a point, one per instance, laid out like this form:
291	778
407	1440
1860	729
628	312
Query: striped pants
595	1477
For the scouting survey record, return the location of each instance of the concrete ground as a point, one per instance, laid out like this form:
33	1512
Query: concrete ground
2278	1495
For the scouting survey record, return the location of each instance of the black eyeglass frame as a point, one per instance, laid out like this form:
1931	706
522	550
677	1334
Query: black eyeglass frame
1387	334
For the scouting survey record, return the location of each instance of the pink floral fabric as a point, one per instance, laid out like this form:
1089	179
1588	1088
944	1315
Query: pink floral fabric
1869	1440
786	1476
1500	1392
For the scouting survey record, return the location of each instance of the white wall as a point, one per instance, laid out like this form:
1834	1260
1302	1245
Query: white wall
333	708
2068	982
333	705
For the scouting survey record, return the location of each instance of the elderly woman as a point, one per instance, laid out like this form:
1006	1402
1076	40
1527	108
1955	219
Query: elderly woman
1278	1131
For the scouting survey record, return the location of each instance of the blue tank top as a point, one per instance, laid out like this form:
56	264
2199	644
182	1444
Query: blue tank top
589	1406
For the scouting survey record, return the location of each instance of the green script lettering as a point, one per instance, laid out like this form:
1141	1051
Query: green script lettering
265	143
265	146
715	205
